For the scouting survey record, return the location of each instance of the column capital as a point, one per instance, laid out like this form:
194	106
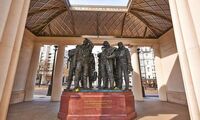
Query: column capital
61	48
62	45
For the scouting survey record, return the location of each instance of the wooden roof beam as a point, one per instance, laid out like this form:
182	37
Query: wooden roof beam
123	22
145	32
67	4
71	14
130	4
97	20
48	21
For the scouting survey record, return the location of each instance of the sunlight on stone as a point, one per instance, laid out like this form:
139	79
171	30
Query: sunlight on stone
159	117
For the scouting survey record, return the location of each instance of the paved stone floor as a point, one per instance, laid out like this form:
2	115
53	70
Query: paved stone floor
150	109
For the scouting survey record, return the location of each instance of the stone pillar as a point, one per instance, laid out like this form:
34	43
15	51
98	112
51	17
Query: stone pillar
194	9
22	68
186	73
58	74
30	82
191	44
19	11
162	90
8	40
137	86
4	8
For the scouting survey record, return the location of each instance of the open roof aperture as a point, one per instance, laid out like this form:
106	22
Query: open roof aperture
100	5
121	3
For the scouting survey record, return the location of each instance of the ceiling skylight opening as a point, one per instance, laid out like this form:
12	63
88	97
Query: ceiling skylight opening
99	5
95	36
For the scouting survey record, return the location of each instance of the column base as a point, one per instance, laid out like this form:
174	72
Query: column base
17	97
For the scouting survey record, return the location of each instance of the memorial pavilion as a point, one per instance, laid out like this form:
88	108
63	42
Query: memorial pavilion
170	27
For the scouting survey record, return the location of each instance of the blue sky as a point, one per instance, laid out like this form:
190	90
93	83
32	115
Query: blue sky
100	2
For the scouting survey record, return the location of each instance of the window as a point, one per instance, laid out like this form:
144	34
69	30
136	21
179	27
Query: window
147	69
153	68
142	69
154	75
141	62
99	5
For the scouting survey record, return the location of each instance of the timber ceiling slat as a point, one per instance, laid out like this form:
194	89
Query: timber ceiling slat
37	19
43	4
48	21
152	13
156	6
161	25
42	10
63	23
149	34
133	26
38	4
85	23
152	28
110	23
144	19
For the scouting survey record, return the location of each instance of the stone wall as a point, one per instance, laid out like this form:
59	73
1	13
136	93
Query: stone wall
171	69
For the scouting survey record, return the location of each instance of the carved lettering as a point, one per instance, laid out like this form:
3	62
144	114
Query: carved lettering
98	104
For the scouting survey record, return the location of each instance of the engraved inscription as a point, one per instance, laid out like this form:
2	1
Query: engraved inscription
98	104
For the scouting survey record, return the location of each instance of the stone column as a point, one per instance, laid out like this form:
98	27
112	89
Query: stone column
22	68
162	90
137	86
58	74
191	44
194	9
8	40
30	82
19	10
4	8
186	73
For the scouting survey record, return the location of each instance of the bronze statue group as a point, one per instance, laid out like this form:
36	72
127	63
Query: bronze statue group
114	66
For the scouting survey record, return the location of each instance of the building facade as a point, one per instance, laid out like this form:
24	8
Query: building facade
147	63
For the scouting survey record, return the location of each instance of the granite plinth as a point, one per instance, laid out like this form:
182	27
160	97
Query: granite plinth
97	106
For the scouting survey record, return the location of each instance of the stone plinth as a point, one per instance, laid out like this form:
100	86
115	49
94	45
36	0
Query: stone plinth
97	106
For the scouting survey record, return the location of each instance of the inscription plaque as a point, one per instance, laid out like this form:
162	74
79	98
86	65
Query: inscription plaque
98	104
